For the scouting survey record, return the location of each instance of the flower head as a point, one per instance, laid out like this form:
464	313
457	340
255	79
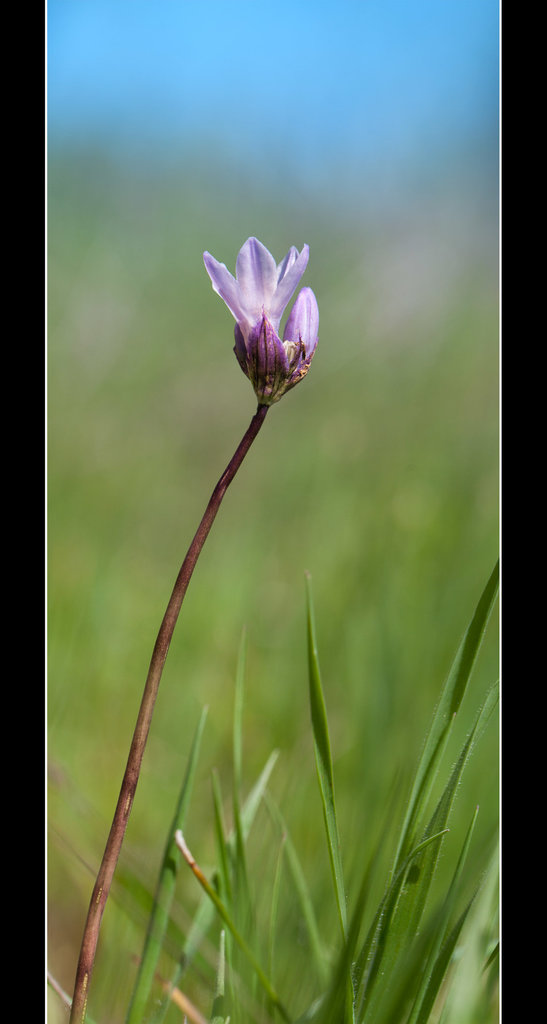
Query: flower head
257	298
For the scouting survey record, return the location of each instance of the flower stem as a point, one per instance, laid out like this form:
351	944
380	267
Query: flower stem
103	882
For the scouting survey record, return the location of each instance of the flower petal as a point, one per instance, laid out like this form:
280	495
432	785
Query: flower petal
287	283
303	323
256	274
287	263
225	285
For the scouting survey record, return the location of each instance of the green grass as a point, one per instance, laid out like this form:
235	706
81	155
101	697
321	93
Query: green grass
378	475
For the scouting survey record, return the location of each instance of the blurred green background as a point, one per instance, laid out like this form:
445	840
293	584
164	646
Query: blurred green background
378	475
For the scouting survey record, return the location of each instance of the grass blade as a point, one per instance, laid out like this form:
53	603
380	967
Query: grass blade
225	880
443	947
159	917
242	905
449	703
230	924
274	905
323	761
306	905
368	963
217	1016
256	795
205	912
473	995
414	905
399	927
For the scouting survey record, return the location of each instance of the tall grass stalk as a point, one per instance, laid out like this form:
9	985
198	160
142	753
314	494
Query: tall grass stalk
105	875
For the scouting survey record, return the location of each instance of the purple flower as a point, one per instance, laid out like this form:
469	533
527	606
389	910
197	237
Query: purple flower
257	298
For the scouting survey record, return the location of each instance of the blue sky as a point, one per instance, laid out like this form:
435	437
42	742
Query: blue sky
296	83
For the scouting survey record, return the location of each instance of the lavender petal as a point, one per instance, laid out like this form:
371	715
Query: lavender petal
256	274
225	285
287	286
287	263
303	323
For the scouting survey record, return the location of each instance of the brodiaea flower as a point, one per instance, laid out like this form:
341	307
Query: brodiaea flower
257	298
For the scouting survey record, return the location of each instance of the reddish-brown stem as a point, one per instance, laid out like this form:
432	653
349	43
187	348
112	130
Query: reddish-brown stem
103	882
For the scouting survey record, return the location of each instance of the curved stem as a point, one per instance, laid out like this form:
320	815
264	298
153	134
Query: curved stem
103	882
